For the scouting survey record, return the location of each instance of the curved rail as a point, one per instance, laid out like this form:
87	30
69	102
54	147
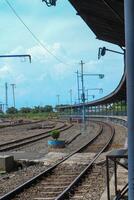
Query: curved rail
21	142
27	184
65	193
19	124
46	172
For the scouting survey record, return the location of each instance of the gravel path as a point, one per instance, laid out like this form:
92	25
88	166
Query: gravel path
13	179
96	183
120	137
93	185
42	147
17	132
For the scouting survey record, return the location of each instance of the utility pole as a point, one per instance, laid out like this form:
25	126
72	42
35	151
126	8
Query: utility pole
83	93
13	86
58	99
78	86
1	110
3	107
70	91
6	93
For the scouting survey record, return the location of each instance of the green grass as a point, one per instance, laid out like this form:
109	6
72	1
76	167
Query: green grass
30	116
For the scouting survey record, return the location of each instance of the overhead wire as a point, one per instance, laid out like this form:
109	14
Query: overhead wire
33	34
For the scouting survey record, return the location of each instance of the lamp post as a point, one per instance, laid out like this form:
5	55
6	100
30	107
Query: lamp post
102	51
101	76
83	94
17	56
50	2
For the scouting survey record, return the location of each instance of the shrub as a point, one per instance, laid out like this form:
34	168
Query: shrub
55	134
25	110
12	110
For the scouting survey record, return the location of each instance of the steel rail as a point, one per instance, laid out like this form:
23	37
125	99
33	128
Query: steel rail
66	192
28	183
22	139
19	124
30	139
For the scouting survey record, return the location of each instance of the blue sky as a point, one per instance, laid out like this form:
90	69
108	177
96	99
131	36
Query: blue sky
66	36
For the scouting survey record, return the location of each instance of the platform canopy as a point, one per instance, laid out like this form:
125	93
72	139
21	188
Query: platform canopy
104	17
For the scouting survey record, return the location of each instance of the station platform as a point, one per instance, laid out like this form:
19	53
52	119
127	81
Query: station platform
122	120
51	157
22	155
110	116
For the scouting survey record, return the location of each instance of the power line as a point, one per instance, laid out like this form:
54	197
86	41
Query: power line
33	35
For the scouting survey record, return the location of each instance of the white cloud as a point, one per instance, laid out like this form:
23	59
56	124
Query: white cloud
41	54
93	66
5	71
42	77
22	92
17	50
20	79
62	71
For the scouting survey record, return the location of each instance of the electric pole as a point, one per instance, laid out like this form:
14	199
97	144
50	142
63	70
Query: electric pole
58	99
83	93
70	91
6	93
78	86
13	86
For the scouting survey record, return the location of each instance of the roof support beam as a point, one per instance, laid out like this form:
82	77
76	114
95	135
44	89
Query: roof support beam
114	11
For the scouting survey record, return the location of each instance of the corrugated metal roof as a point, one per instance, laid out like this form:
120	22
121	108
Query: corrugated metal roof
104	17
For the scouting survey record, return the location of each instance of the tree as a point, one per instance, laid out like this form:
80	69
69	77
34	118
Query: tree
12	110
48	108
25	110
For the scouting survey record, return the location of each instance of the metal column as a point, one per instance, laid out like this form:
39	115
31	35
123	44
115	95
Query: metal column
129	41
125	107
95	110
117	111
106	109
78	86
83	94
121	108
99	109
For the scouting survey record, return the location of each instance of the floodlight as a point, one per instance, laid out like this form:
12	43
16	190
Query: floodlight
103	51
101	76
50	2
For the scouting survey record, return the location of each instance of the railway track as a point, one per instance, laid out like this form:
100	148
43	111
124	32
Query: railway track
13	124
59	180
30	139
